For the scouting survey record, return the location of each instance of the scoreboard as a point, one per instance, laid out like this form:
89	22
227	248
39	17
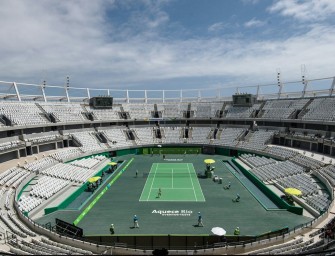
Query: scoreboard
244	100
101	102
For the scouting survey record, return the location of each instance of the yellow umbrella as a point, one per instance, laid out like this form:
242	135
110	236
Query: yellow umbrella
209	161
112	163
94	179
293	191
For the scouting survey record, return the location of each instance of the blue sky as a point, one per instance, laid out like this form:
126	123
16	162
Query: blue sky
165	44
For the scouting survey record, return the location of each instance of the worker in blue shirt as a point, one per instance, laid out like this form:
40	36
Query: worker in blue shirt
200	224
136	222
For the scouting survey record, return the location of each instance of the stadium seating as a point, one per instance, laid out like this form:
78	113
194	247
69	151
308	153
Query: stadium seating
319	109
88	141
146	136
139	111
117	138
231	131
14	112
65	112
199	135
104	114
66	153
282	109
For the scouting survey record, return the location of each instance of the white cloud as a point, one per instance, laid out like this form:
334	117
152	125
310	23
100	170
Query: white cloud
250	1
311	10
254	23
217	27
52	39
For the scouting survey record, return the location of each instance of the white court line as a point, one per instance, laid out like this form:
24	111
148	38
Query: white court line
188	169
172	188
144	186
176	200
152	181
172	178
170	168
198	184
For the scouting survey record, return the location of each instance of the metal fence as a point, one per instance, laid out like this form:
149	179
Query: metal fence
65	93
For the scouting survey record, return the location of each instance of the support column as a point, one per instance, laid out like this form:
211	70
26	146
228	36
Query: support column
43	91
17	92
88	93
332	87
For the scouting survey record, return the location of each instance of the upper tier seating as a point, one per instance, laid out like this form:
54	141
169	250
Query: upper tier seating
88	141
203	110
282	109
104	114
44	138
256	140
319	110
23	113
117	138
138	111
65	112
199	135
228	136
172	135
146	136
171	110
240	112
11	145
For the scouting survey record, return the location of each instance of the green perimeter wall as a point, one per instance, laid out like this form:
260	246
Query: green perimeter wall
172	150
129	151
222	151
268	192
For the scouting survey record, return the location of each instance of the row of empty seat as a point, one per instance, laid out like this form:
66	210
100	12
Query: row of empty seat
36	113
72	172
302	182
11	144
44	138
88	141
40	164
47	186
64	154
277	170
27	203
281	152
319	202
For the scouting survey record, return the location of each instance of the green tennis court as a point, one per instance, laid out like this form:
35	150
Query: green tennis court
177	181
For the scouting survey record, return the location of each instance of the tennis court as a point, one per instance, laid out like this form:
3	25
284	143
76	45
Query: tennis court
177	182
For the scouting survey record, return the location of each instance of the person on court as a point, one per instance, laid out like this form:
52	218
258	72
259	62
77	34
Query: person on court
237	199
159	193
136	173
112	230
200	224
136	222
